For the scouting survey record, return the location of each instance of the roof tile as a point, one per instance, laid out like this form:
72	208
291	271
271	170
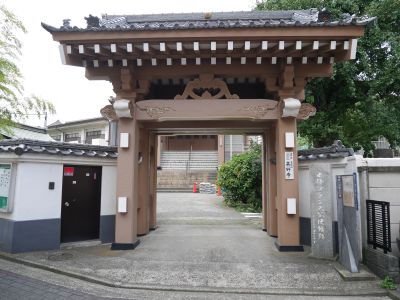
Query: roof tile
22	146
243	19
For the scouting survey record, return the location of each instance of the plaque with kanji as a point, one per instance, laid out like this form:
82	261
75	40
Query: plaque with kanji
289	165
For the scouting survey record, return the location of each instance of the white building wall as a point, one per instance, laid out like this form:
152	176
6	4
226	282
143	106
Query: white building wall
82	128
33	199
382	183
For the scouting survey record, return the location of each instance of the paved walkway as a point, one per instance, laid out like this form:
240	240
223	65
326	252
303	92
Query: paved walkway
203	246
18	281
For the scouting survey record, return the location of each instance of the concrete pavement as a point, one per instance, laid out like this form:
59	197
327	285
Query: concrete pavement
18	281
202	247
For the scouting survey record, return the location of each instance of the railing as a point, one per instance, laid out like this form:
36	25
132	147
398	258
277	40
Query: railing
378	224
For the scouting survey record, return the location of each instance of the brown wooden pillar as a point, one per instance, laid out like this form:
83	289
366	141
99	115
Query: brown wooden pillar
154	144
160	143
287	188
221	150
264	172
127	182
143	182
126	220
271	218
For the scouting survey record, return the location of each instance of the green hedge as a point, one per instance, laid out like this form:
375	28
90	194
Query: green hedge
240	180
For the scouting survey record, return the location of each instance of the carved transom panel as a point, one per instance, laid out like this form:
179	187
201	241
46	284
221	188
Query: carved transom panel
260	110
155	112
206	87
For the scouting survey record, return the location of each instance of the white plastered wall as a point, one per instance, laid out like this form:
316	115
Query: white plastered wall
32	199
108	190
383	185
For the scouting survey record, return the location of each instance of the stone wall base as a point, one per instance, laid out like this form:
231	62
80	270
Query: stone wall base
382	264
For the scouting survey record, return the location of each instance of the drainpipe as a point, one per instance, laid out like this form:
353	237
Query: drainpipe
113	133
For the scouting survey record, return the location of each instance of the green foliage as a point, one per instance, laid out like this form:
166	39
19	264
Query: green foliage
388	283
13	105
360	103
240	180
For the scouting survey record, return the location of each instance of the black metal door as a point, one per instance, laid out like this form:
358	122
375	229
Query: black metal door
80	212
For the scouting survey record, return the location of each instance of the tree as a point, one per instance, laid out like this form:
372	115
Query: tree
13	104
360	103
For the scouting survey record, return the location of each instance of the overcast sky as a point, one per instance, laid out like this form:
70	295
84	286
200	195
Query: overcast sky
74	96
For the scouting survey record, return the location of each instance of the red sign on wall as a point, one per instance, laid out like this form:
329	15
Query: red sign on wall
68	171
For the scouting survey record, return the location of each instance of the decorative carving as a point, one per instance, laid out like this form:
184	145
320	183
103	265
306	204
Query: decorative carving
206	87
306	110
108	113
155	112
122	108
287	77
291	107
260	110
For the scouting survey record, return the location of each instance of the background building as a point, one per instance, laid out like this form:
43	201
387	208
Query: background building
93	131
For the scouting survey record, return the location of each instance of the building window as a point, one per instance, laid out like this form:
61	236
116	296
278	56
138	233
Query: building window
72	137
94	134
56	137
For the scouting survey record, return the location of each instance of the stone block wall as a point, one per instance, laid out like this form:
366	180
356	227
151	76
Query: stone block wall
380	180
382	264
327	202
382	183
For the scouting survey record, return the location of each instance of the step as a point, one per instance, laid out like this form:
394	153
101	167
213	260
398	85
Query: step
173	190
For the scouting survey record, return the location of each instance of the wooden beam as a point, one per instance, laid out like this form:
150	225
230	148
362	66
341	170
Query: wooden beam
206	109
286	33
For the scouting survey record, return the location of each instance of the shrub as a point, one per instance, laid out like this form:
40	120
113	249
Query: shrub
240	180
388	283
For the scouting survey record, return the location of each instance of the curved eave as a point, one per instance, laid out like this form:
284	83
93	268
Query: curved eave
223	25
300	32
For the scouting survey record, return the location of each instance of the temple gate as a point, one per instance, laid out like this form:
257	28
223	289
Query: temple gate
212	73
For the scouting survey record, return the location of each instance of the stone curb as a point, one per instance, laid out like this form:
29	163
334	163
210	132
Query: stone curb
395	295
244	291
363	274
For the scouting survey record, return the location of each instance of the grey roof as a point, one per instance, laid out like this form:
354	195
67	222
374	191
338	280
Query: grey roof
337	150
24	146
58	124
241	19
21	131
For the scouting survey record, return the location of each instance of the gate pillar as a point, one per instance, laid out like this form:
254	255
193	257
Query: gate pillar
287	183
269	183
154	145
143	182
127	183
